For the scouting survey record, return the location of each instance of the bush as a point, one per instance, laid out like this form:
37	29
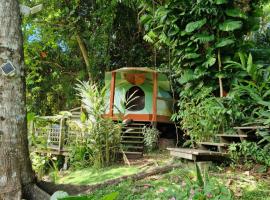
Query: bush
201	115
248	152
151	135
100	141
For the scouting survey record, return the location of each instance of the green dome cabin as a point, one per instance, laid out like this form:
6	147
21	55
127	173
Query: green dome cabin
139	97
138	94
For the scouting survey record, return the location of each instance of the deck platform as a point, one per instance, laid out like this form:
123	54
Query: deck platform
196	154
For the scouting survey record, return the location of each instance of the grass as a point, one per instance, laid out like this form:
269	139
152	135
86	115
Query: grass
170	186
93	176
260	192
157	187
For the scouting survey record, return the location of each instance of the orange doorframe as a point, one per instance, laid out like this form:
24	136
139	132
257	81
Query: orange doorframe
155	93
112	91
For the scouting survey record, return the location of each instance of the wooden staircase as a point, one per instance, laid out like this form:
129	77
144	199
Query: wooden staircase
218	150
132	140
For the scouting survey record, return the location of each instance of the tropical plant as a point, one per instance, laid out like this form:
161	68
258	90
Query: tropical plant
44	164
151	135
100	142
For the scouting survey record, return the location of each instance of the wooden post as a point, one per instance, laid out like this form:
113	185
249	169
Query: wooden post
61	134
112	90
155	94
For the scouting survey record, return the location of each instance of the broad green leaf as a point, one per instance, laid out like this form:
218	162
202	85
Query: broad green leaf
230	25
242	59
145	18
204	38
191	55
236	12
224	42
249	63
199	176
187	76
192	26
264	103
218	2
251	68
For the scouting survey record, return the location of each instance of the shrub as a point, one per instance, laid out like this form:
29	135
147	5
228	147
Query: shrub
247	152
151	135
201	115
100	141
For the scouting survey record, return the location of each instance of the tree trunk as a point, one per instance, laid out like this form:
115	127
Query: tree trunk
84	54
16	174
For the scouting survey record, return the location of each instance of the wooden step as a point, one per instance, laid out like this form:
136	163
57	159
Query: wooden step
135	132
213	144
251	127
234	136
196	154
132	142
135	137
133	152
137	124
133	147
133	155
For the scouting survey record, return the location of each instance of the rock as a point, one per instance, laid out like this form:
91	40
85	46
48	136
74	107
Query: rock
164	143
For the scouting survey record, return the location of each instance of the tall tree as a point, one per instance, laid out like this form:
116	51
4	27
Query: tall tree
16	175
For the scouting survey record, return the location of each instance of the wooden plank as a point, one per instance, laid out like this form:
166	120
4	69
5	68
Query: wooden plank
195	151
133	147
213	144
239	136
251	127
133	152
135	137
183	155
132	142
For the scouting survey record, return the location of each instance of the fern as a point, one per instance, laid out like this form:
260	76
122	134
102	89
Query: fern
230	25
187	76
210	62
192	26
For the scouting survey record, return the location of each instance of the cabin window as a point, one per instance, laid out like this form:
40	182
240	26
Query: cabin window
135	99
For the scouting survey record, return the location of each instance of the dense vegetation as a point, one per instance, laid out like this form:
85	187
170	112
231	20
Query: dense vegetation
214	52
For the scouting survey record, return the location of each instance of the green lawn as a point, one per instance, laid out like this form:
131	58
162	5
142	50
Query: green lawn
93	176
